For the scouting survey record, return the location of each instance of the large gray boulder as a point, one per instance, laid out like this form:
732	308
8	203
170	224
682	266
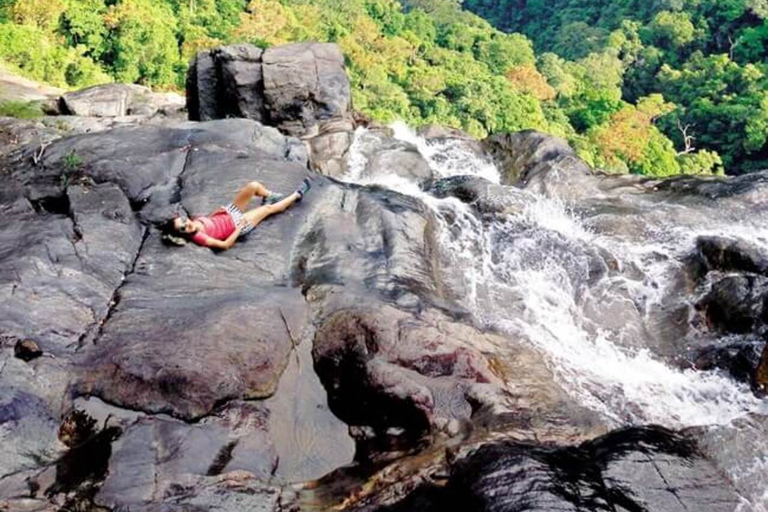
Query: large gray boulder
294	87
304	84
380	156
522	156
115	100
395	377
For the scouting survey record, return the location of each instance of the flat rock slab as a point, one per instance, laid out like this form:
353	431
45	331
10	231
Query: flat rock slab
156	456
181	352
16	88
60	268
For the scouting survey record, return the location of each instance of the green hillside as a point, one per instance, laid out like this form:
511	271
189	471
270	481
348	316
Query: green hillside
709	58
620	99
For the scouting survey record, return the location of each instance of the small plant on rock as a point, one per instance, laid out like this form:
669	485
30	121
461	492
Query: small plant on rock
72	161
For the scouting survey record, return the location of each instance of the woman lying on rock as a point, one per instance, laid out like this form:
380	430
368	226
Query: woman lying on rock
220	229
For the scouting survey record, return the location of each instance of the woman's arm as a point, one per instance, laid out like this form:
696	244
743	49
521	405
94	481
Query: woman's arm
223	244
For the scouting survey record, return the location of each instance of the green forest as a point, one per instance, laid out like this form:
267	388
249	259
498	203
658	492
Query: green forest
708	58
659	88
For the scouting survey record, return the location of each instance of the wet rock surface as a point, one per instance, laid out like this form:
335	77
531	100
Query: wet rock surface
383	155
631	469
485	197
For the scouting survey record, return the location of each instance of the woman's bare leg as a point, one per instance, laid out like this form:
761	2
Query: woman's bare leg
257	215
245	194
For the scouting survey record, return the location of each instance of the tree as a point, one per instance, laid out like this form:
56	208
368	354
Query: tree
578	39
528	80
671	30
144	47
83	24
43	14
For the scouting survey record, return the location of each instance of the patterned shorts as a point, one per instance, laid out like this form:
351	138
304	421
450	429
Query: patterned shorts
237	215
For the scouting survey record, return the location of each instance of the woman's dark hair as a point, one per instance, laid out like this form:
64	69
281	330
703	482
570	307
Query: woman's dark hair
171	235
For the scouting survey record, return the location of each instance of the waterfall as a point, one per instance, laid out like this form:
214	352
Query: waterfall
531	275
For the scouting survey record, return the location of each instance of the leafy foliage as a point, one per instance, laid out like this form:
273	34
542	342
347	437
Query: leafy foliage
597	80
20	109
707	57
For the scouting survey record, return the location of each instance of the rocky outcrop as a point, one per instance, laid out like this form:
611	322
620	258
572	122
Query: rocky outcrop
524	156
329	149
381	156
395	378
485	197
305	84
301	89
733	277
293	87
116	100
16	88
182	336
721	254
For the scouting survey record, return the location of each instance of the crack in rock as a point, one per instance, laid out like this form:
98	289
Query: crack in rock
98	325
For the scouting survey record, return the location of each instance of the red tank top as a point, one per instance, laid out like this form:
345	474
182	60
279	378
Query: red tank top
219	226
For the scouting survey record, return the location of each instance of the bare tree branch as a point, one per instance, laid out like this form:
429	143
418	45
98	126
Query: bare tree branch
687	138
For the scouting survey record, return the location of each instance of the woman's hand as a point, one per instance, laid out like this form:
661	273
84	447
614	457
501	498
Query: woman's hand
230	241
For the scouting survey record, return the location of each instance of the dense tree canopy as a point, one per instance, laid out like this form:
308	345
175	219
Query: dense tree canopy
634	86
708	58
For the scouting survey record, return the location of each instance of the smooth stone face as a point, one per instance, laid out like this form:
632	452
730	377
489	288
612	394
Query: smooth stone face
202	88
310	441
329	153
524	155
156	454
386	371
305	83
484	197
109	100
294	87
176	353
241	75
116	100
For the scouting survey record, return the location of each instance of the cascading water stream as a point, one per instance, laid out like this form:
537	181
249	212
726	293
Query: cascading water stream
529	275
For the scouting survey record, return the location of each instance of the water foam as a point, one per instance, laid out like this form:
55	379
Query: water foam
526	275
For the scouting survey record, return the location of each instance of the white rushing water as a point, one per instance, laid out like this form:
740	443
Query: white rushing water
528	275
